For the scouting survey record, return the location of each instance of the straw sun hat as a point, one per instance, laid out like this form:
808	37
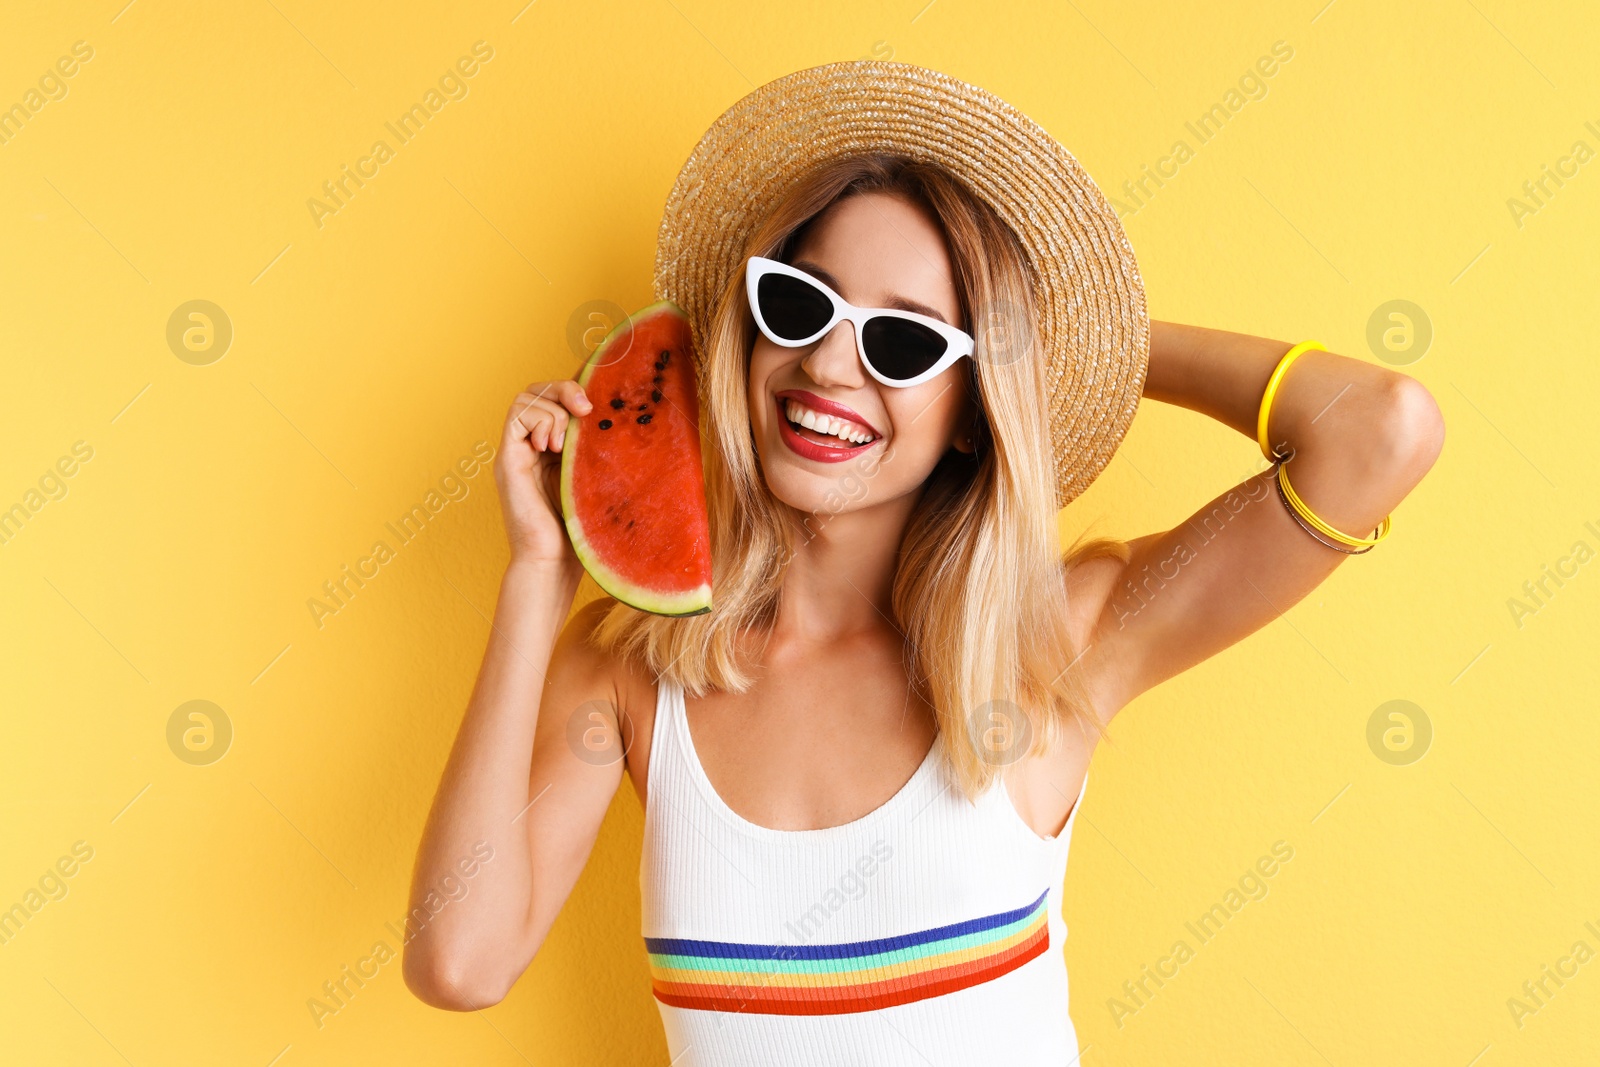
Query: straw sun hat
1093	322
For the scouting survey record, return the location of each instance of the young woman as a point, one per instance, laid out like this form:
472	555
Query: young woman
860	770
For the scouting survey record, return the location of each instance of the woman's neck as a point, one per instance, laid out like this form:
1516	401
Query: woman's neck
841	579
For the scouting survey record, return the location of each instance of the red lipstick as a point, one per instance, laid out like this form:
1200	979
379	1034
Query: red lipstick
826	407
810	449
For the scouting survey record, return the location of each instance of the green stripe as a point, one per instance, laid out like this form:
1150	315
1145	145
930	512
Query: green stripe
671	962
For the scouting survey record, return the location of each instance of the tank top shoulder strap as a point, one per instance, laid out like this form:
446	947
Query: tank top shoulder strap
664	744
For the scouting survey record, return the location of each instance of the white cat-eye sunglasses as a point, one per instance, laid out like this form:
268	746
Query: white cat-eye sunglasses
898	348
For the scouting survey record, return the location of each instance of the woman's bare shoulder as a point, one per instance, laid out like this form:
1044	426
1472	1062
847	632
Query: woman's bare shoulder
589	679
581	660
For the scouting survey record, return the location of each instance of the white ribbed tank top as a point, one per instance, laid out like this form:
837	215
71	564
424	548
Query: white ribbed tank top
928	931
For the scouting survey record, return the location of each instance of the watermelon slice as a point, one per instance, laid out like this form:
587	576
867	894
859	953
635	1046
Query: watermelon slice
632	485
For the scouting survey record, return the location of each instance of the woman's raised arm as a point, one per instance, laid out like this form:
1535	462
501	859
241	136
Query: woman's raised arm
517	811
1362	435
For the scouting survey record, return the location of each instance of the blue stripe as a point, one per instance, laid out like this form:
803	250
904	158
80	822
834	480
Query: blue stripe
730	950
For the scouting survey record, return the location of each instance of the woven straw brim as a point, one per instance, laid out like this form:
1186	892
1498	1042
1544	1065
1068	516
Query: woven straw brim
1093	321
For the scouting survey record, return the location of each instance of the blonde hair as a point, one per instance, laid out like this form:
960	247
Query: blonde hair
980	592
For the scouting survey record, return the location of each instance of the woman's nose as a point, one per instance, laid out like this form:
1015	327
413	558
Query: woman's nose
835	361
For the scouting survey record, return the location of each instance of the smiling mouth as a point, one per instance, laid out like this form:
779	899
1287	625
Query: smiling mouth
820	430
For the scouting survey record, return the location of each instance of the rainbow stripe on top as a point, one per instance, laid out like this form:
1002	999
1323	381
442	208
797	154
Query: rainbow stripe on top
837	979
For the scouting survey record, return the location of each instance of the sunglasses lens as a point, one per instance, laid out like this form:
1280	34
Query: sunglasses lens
899	348
793	309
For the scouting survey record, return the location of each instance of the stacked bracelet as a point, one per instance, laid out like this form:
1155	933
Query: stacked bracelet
1306	526
1302	514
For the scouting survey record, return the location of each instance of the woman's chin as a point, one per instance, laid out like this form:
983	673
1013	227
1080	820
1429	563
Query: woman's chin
804	490
824	493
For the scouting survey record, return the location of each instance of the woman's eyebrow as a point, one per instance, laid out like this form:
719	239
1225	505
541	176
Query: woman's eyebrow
899	303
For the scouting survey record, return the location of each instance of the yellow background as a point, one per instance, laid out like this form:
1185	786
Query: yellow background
371	353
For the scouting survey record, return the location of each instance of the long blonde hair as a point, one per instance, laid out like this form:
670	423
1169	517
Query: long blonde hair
980	591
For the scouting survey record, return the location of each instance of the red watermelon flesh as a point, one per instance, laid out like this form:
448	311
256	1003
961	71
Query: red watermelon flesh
632	483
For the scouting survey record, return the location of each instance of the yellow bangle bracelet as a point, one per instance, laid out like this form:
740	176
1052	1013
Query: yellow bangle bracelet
1290	497
1272	390
1313	520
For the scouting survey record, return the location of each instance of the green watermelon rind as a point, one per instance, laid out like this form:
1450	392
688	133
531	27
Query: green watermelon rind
695	601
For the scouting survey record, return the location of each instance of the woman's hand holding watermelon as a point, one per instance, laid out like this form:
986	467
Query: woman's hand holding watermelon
528	471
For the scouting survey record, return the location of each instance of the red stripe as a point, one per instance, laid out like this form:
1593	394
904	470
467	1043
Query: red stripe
823	1000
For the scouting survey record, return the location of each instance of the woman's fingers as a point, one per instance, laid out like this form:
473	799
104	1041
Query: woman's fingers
541	422
540	413
566	392
522	419
544	419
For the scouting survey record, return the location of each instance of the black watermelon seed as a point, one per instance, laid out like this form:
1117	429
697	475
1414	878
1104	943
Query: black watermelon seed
644	407
657	379
655	394
617	402
666	354
659	364
642	420
605	424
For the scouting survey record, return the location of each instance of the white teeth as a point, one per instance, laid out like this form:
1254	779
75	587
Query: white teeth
826	424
